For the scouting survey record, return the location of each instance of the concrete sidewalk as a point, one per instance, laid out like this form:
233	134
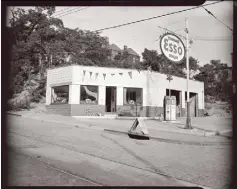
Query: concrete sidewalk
210	123
157	130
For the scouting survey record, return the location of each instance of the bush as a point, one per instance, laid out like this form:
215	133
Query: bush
17	105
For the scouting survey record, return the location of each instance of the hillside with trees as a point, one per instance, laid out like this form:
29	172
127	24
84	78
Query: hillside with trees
41	41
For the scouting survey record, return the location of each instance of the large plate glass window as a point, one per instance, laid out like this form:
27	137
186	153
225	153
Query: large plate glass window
89	94
132	96
60	95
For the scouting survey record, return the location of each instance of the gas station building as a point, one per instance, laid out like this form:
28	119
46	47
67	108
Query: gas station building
99	91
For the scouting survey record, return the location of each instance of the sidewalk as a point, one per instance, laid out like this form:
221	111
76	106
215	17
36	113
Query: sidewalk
157	130
210	123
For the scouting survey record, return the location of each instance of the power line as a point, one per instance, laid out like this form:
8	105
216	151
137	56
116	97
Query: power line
217	18
198	38
129	23
72	12
171	32
62	10
174	23
67	11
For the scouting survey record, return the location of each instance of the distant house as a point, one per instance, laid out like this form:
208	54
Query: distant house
115	50
133	57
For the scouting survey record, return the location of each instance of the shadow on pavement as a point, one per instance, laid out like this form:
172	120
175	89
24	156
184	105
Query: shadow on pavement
138	158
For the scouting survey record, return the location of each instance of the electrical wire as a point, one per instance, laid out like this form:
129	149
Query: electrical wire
61	10
58	16
198	38
217	18
174	23
67	11
142	20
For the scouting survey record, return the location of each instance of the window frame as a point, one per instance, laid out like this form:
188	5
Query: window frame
124	96
83	101
51	99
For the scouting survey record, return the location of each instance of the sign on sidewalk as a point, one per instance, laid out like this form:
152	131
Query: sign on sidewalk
144	134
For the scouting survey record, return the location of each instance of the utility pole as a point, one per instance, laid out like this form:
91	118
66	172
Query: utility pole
188	121
169	78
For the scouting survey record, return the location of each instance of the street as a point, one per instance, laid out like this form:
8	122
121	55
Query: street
91	157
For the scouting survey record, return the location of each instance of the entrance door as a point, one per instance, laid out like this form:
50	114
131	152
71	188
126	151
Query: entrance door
110	99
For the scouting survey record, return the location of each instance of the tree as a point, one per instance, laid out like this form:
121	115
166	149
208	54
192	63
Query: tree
158	62
217	80
37	34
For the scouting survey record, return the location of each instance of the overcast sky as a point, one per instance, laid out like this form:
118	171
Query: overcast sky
143	35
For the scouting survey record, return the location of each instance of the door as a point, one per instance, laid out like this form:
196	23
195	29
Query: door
193	104
110	99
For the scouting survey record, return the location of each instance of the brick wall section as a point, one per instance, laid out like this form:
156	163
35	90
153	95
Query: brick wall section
142	111
59	109
81	109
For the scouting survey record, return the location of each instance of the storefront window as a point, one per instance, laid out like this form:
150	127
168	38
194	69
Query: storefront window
89	94
132	96
60	95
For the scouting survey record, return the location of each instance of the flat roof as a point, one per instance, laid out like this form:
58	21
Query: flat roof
130	69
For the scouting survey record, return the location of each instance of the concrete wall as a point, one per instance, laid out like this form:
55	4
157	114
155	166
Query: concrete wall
60	109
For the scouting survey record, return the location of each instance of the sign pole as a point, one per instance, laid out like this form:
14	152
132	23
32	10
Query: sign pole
188	121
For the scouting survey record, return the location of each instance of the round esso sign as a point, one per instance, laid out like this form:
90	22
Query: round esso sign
172	47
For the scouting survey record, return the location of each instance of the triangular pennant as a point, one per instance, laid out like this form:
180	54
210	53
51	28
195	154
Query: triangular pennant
90	74
104	75
84	72
139	71
96	75
120	73
130	74
112	74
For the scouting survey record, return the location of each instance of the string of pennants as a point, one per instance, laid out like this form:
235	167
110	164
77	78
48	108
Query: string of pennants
104	74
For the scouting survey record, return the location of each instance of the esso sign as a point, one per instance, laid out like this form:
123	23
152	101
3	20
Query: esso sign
172	47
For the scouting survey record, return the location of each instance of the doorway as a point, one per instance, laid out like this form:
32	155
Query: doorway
193	98
110	99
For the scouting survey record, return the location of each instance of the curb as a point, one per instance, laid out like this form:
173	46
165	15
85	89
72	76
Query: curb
98	128
204	134
14	114
208	132
115	117
82	125
174	141
88	126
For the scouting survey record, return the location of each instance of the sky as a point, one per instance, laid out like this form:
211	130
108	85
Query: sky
144	34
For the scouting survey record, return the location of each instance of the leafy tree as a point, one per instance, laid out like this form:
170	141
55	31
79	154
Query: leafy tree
217	80
37	34
159	63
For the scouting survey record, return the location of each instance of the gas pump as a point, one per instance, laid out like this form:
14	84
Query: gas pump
170	108
173	108
167	108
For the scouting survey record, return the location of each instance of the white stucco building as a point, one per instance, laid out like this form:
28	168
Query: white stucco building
83	90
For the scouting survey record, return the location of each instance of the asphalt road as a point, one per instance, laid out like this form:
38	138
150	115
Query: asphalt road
87	157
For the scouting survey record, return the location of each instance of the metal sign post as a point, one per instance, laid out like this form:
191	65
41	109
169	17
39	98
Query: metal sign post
188	121
173	49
